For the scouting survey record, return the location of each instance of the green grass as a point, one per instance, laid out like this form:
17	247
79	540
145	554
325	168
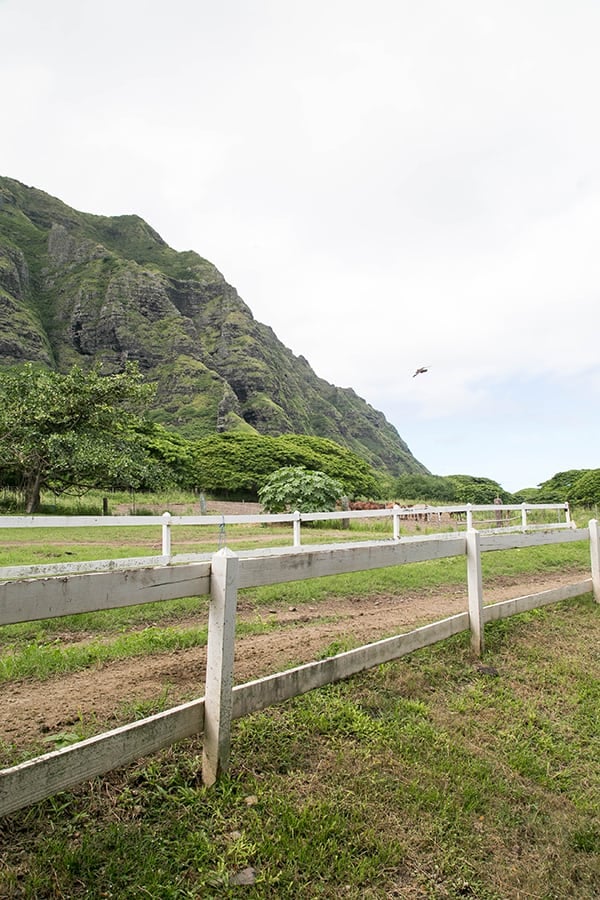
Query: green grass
427	777
43	658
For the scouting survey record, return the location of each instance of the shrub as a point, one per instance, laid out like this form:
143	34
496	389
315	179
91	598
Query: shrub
295	488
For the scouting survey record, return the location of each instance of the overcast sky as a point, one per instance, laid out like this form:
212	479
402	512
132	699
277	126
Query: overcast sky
388	184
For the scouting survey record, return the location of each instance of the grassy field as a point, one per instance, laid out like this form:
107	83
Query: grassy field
435	776
430	777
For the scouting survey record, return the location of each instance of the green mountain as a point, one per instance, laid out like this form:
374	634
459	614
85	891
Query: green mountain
79	288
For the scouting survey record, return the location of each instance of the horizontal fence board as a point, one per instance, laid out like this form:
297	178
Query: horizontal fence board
299	564
256	695
249	518
43	776
78	521
528	602
45	598
47	570
216	519
513	540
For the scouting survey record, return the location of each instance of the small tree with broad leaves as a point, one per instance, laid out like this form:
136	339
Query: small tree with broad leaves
296	488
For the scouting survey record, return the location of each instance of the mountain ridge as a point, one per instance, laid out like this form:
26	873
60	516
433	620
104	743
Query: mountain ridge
77	288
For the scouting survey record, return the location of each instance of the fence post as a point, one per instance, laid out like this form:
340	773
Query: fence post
396	522
568	515
296	525
166	534
475	591
469	516
219	665
595	555
523	517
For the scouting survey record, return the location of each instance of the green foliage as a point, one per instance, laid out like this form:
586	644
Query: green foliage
557	488
295	488
241	463
433	488
171	450
586	490
473	489
527	495
449	489
73	431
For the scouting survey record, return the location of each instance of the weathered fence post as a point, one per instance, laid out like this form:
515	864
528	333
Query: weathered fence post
396	522
475	590
469	509
219	665
296	526
166	534
523	517
595	555
567	515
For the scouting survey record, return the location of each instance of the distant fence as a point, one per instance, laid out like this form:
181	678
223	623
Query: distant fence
25	600
487	517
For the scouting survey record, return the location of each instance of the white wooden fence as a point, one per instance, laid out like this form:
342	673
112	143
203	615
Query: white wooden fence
488	517
25	600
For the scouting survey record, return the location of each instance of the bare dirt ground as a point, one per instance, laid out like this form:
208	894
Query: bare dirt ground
31	710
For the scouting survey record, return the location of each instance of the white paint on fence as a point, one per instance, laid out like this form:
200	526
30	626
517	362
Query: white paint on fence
219	665
475	592
46	598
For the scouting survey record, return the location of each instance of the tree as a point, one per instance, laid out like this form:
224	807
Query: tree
430	488
586	490
295	488
74	430
558	488
477	489
239	463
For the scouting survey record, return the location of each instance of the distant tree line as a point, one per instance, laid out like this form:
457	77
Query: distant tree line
80	430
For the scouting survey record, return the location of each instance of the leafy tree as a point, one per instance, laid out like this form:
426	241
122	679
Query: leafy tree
171	450
527	495
478	490
557	488
295	488
240	463
429	488
586	490
73	431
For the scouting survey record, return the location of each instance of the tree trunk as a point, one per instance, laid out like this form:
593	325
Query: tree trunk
32	494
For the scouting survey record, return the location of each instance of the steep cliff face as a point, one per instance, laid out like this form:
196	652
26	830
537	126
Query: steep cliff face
79	288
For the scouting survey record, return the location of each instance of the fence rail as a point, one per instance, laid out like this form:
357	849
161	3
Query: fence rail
222	577
428	514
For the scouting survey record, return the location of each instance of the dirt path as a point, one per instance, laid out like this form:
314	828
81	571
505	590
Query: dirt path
31	710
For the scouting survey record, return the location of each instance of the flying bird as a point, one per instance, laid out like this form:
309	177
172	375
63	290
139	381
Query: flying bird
421	370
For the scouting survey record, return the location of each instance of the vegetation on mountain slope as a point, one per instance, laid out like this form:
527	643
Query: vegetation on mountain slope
76	288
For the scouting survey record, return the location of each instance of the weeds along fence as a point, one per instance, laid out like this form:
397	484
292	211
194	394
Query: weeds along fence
499	518
23	600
